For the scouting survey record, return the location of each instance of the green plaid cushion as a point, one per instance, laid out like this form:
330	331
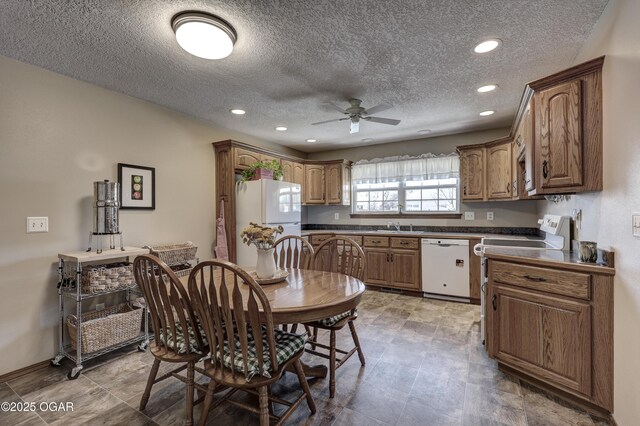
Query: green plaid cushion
181	342
331	321
287	345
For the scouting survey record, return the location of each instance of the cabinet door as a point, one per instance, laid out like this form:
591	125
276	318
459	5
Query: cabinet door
298	173
559	130
377	268
333	173
405	268
499	171
265	157
529	146
546	336
515	167
287	171
243	158
472	164
314	188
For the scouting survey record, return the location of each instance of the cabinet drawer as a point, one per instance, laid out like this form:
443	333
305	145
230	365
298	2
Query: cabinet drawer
572	284
405	243
317	239
356	238
376	241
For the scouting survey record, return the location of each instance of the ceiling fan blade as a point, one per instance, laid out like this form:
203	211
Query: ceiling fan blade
336	107
355	127
381	120
330	121
377	108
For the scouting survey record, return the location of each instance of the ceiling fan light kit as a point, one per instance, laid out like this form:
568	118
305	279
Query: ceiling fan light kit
204	35
356	112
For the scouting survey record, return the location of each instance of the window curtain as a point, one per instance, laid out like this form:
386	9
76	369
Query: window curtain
406	168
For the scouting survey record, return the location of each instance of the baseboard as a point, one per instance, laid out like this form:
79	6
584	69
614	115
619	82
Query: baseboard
24	371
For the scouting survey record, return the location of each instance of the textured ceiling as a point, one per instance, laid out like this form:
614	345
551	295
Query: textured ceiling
291	56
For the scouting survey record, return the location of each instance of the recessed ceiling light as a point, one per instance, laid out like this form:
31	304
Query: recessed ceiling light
204	35
424	132
311	140
237	111
487	88
488	112
367	140
281	128
487	46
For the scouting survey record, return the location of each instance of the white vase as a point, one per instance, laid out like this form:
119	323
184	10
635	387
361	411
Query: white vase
266	266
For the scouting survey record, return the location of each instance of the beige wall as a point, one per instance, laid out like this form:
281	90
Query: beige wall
58	136
509	213
607	214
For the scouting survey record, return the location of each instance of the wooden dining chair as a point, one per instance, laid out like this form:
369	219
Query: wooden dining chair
295	252
178	338
292	251
343	255
247	352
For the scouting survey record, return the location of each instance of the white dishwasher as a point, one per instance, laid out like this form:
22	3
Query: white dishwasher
445	267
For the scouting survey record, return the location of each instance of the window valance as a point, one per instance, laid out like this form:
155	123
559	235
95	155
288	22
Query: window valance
406	168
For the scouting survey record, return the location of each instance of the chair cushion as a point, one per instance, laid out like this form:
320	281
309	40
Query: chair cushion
287	345
331	321
182	342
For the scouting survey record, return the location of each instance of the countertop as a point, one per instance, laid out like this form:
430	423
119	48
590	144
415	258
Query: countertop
420	234
557	258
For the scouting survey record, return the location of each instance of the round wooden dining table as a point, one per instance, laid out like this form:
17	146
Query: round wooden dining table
306	296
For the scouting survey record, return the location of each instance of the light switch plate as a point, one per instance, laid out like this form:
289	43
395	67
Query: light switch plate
469	215
37	224
489	215
635	224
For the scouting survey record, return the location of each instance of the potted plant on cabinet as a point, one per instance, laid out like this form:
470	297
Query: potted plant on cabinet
263	170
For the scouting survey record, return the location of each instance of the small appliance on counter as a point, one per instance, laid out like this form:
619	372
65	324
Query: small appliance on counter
556	237
106	214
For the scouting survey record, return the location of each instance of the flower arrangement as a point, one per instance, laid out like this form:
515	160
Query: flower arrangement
263	237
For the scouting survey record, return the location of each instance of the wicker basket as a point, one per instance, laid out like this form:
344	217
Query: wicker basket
175	254
108	327
113	276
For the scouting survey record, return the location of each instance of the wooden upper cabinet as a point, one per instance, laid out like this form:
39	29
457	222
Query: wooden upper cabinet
499	184
529	144
559	128
243	158
567	132
298	173
265	157
333	176
287	170
472	166
314	185
515	172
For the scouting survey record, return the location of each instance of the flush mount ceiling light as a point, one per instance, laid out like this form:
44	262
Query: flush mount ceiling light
487	88
487	46
237	111
281	128
424	132
488	112
311	140
204	35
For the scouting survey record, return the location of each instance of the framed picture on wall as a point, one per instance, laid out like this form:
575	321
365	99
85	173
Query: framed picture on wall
137	187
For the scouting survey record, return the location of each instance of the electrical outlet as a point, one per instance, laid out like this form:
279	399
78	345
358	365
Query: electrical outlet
469	216
489	215
37	224
336	216
99	306
636	224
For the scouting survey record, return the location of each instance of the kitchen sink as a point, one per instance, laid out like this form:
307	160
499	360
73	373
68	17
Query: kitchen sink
388	231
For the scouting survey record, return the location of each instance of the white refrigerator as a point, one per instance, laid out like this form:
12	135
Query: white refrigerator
268	203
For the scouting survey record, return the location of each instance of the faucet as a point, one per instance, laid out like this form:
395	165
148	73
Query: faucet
395	225
411	227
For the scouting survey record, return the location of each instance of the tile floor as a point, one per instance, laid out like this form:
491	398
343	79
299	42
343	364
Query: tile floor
425	366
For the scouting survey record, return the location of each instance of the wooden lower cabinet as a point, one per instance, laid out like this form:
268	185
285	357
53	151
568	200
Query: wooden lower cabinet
405	268
554	326
377	268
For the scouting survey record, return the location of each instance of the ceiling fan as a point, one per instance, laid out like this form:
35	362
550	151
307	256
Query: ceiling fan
356	113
